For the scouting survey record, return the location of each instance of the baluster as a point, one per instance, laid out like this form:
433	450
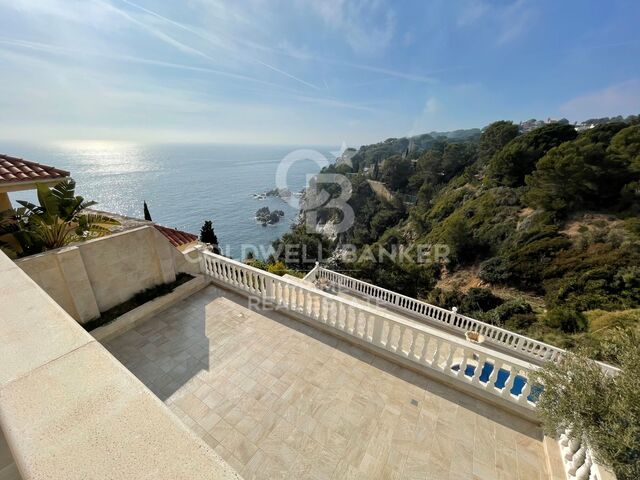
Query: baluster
449	360
572	448
378	331
436	354
412	341
291	296
463	363
252	281
321	308
497	365
310	303
286	289
525	393
363	325
399	346
297	300
345	317
577	460
353	316
333	314
508	385
423	353
300	300
413	354
584	471
371	327
476	374
302	295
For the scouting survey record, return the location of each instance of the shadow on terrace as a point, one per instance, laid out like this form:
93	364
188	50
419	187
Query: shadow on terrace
277	398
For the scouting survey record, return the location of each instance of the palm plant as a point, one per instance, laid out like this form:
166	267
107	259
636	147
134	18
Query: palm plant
58	221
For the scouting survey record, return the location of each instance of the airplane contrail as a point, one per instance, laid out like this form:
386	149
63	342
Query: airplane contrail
208	39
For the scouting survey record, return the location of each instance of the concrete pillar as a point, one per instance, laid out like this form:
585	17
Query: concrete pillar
73	271
5	203
162	252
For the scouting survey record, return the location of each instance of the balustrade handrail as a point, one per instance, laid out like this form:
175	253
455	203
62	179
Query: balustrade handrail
389	315
511	340
349	316
495	330
492	371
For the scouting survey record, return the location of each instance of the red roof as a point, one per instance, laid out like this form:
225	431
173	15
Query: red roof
176	237
13	170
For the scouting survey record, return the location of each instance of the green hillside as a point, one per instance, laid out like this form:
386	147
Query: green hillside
543	228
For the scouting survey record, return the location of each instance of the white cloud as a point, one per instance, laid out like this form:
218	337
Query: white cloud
517	19
507	22
471	12
619	99
77	11
368	26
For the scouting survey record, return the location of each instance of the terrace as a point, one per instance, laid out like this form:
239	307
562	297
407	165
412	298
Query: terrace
280	399
283	379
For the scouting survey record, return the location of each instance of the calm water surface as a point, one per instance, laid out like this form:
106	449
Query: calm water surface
184	185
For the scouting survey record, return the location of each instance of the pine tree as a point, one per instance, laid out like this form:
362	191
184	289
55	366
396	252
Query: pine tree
207	235
147	215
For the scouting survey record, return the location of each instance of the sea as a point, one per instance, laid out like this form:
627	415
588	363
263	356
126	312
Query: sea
185	184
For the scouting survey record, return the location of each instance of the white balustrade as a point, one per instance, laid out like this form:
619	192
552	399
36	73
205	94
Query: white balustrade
528	348
578	460
410	340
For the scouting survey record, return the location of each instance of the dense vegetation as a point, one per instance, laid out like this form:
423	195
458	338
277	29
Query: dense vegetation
542	227
605	409
60	218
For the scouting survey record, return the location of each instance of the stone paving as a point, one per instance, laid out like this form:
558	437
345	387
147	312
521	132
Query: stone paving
278	399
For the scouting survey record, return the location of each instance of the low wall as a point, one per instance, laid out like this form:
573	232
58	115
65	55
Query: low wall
138	315
70	411
91	277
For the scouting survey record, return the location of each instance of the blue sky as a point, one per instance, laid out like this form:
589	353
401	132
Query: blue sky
308	72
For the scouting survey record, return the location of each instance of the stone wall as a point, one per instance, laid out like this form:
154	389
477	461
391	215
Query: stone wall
70	411
93	276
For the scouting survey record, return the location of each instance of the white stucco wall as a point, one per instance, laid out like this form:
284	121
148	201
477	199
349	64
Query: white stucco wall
91	277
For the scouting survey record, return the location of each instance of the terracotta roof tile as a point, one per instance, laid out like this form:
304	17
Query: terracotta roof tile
176	237
18	170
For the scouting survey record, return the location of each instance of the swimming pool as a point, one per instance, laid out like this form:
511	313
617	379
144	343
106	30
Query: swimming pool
501	379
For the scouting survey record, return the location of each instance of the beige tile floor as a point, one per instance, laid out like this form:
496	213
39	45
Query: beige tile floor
278	399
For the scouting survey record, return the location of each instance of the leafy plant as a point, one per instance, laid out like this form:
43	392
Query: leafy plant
509	309
58	220
569	321
601	408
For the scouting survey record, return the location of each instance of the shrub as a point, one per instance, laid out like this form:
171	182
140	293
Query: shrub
278	268
479	299
600	320
569	321
445	298
603	409
520	321
515	306
494	270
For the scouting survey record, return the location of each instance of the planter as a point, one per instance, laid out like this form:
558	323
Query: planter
136	316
